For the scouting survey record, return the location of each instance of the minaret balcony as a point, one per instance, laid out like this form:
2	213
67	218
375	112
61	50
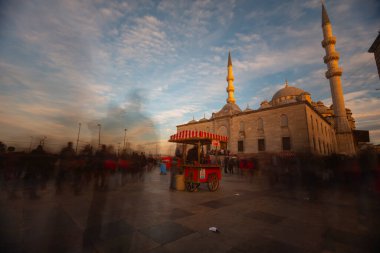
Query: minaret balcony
230	78
330	57
328	41
334	72
230	89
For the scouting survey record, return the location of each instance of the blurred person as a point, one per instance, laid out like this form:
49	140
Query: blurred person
192	155
36	162
100	175
66	164
176	161
231	164
12	172
226	162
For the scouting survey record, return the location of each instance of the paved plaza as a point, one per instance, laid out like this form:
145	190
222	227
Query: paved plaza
138	215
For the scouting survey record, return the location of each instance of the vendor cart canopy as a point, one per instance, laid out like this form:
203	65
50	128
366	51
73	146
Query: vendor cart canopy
194	136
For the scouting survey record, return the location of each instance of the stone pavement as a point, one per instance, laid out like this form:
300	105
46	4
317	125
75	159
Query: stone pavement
145	216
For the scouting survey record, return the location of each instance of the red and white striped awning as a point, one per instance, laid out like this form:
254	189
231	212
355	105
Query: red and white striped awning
192	135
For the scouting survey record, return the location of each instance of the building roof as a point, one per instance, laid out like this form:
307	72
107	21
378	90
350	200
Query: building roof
375	44
288	91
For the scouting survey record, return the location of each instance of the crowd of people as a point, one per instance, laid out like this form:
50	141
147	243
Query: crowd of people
31	172
103	167
306	170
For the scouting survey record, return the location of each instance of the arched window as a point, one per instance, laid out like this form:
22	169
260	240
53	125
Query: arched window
284	120
260	124
222	130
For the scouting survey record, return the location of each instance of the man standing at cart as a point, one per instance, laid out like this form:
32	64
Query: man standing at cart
192	155
174	169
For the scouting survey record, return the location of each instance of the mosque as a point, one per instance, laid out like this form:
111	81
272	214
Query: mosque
290	121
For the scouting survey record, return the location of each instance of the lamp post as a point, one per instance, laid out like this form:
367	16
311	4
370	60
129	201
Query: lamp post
125	134
31	141
42	141
76	148
100	126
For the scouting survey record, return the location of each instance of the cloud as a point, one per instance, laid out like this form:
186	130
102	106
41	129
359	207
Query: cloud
64	62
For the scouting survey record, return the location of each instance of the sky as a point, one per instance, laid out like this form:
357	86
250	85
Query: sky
149	65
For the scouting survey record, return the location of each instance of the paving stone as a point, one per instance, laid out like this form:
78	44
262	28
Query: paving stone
147	217
215	204
178	213
364	243
166	232
275	247
266	217
266	246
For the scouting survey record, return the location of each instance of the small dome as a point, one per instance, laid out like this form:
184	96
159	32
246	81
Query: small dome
247	109
265	104
192	121
287	91
202	119
228	109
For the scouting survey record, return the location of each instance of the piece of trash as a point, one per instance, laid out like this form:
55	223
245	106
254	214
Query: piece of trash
237	194
213	229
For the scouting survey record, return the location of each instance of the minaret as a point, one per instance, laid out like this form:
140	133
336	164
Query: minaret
344	136
230	80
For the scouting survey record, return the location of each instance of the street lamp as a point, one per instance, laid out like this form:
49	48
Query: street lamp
42	141
76	148
125	134
31	141
100	126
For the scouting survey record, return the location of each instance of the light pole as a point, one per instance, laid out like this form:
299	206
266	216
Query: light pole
76	148
31	141
125	134
42	141
100	126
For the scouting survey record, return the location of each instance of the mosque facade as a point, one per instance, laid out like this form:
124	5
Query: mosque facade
290	121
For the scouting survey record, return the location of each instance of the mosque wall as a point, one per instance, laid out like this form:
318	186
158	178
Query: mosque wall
321	134
292	127
273	130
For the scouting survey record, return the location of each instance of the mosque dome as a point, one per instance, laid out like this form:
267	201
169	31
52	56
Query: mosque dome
192	121
288	91
202	120
290	94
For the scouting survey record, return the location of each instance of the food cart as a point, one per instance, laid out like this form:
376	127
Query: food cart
200	170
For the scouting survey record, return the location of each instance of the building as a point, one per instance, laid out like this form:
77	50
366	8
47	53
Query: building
375	49
290	121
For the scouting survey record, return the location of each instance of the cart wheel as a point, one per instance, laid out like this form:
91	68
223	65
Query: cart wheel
191	186
213	182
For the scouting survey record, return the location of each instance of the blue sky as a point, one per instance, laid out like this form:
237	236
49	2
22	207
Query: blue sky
150	65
